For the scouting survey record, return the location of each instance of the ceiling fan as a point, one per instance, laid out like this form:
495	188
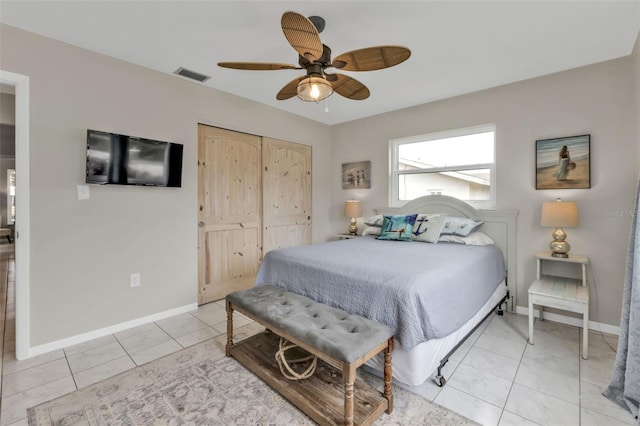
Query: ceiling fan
303	34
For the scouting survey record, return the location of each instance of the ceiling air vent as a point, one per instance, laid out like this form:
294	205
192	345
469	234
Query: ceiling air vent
192	75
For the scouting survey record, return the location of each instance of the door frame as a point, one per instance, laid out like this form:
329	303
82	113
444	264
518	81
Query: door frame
23	217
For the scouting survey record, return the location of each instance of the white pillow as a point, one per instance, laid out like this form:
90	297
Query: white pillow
372	230
427	227
375	220
476	239
462	226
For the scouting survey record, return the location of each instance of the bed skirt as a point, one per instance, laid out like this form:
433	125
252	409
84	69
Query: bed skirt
413	367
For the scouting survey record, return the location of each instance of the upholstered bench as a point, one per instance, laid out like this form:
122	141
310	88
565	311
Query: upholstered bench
342	340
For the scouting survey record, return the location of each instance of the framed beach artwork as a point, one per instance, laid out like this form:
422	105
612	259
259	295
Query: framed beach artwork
563	163
356	175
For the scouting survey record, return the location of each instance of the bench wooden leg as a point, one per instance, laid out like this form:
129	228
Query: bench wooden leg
229	329
388	393
349	378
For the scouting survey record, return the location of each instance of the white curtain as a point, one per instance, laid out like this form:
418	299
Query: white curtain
624	388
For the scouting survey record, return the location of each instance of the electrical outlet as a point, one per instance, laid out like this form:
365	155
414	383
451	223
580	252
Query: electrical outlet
83	192
134	281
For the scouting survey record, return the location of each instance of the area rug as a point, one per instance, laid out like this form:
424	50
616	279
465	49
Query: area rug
200	386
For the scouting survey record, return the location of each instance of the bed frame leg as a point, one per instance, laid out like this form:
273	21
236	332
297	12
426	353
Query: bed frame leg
499	310
440	380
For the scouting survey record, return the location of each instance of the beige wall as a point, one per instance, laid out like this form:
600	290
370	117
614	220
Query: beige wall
82	252
595	99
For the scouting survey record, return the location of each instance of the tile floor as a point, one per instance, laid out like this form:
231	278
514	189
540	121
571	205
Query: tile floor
495	378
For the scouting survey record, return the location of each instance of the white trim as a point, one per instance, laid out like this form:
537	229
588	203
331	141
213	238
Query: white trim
23	218
393	161
564	319
81	338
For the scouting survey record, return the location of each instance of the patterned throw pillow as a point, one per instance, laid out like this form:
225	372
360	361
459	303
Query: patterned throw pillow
462	226
427	227
397	227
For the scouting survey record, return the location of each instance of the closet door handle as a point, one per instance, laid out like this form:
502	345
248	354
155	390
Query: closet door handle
201	224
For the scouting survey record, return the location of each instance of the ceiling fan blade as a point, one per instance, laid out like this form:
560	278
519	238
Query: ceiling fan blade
302	35
257	66
289	90
372	58
350	88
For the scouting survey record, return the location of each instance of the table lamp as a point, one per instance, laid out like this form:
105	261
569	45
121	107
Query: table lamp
559	214
352	209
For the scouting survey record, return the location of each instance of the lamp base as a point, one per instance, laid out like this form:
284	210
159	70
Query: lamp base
353	228
559	247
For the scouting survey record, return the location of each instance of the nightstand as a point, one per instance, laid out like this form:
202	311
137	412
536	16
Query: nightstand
347	236
561	293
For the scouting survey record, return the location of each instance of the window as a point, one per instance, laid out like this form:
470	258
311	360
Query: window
459	163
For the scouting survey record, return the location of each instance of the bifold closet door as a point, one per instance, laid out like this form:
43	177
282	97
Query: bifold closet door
229	196
286	195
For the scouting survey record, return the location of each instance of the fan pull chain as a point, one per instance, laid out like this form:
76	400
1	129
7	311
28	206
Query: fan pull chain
326	104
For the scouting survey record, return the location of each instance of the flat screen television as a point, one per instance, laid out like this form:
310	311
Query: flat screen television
127	160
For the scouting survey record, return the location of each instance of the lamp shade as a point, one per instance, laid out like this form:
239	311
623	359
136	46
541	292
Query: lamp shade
352	208
559	214
314	89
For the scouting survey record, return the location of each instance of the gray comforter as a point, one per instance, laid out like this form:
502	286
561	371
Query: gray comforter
420	290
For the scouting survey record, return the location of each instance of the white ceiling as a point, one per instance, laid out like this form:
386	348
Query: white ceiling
457	46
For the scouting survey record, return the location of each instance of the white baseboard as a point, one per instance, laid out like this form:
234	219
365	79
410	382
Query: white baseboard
563	319
84	337
81	338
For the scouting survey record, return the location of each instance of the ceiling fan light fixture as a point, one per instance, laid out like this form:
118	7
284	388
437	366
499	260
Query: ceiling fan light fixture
314	89
302	33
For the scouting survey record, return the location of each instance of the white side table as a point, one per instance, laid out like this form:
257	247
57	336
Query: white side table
561	293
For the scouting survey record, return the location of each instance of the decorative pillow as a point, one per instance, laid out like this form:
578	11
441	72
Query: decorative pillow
371	230
374	220
476	239
462	226
428	226
397	227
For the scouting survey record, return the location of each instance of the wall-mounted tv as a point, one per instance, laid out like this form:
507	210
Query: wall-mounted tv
127	160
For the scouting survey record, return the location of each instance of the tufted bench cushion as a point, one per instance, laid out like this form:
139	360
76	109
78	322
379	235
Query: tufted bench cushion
333	331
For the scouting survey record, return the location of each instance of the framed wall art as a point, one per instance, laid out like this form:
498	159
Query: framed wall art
563	163
356	175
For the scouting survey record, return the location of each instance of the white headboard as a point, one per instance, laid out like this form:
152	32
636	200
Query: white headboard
500	225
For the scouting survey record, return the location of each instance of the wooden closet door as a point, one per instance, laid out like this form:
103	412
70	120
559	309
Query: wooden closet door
286	208
229	196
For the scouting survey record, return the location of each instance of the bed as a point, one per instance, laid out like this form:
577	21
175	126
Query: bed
431	304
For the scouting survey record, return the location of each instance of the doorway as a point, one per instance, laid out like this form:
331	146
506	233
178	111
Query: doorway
20	83
7	162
